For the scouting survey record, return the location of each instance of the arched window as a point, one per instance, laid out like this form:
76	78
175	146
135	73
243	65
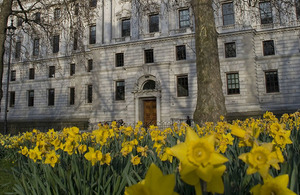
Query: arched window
150	84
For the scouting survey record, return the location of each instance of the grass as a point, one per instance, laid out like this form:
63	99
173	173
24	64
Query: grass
6	178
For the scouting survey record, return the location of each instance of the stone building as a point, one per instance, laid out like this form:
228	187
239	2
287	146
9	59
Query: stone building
136	63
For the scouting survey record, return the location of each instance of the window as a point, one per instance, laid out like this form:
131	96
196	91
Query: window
228	13
75	42
272	81
149	56
72	96
37	17
180	52
297	5
12	75
31	73
90	65
182	86
150	84
76	9
51	71
120	90
51	95
153	23
119	59
19	22
268	48
230	50
18	49
233	84
93	3
125	27
72	69
30	97
93	34
55	44
184	18
12	97
265	12
56	14
89	93
36	47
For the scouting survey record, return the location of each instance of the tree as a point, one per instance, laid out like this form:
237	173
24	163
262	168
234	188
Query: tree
210	97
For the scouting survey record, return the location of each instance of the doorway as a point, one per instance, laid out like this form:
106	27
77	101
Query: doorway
150	112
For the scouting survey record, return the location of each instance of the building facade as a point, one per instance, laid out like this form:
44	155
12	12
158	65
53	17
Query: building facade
125	60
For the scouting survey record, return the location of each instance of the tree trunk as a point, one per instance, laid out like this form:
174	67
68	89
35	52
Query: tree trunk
5	11
210	98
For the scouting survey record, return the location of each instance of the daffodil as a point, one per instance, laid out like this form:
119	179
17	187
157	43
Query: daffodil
282	138
52	158
260	158
81	149
93	156
199	159
273	186
135	160
35	154
106	159
154	183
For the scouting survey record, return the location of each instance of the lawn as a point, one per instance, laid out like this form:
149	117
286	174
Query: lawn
6	177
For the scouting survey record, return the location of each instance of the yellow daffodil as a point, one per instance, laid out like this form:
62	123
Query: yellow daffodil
273	186
82	149
198	159
142	150
260	158
106	159
56	143
135	160
35	154
52	158
24	151
93	156
154	183
282	138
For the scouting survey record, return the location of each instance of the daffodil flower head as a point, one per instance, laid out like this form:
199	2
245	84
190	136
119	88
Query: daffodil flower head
273	186
154	183
52	158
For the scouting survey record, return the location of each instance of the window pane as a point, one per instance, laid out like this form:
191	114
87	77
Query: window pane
72	69
230	50
90	94
119	59
30	97
120	90
265	12
51	71
149	56
233	85
51	95
56	14
180	52
90	65
125	28
31	73
93	3
228	13
184	18
13	75
92	34
154	23
12	99
36	46
72	96
18	49
268	48
272	81
75	42
56	44
150	84
182	86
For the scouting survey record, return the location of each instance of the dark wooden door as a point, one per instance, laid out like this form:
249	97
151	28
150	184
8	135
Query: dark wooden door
149	112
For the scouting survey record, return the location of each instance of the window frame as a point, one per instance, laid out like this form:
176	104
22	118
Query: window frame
37	17
55	44
72	69
120	90
92	37
184	20
149	56
89	93
273	85
180	56
51	97
266	16
90	64
266	52
12	98
230	52
93	3
125	32
180	86
31	75
235	90
119	57
72	96
297	9
228	18
51	72
57	14
75	41
30	98
36	47
13	75
18	50
153	24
